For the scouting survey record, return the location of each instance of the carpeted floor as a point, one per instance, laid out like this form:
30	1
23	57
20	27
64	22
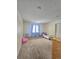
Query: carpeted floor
36	49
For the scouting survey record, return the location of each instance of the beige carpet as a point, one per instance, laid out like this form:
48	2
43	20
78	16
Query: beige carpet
36	49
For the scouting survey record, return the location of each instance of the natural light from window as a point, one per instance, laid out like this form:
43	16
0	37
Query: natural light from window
35	28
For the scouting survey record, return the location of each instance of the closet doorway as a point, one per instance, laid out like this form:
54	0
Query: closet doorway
58	30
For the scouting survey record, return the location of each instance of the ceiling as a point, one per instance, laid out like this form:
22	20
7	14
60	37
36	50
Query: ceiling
39	10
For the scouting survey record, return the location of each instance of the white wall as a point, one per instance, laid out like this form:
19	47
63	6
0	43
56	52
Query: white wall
50	27
19	31
28	26
44	27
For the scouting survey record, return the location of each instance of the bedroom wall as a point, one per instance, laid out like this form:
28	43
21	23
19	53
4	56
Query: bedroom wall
27	27
19	31
44	27
50	27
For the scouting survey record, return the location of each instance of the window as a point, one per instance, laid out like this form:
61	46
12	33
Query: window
35	28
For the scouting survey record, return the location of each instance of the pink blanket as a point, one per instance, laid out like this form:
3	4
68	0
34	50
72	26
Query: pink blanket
24	40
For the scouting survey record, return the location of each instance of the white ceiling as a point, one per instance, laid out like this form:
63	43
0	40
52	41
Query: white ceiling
39	10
